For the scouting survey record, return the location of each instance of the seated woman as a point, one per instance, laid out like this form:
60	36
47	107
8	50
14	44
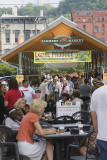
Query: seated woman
20	106
29	126
27	108
75	98
65	97
12	121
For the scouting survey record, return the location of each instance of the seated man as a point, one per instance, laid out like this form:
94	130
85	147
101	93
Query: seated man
75	98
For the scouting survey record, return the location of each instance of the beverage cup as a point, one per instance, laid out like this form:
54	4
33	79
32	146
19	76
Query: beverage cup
80	126
47	116
61	130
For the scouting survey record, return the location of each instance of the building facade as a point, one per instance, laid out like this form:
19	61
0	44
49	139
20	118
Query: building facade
92	21
13	27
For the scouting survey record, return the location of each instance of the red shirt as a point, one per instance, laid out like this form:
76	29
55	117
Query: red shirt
12	96
27	128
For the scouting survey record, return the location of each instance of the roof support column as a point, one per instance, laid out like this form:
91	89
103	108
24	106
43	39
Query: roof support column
101	66
92	62
96	66
27	64
86	70
105	53
20	62
23	63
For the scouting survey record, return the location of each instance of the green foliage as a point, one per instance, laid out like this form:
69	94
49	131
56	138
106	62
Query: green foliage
79	69
6	70
64	8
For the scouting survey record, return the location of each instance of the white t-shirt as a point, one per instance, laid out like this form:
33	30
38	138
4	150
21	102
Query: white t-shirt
99	105
66	89
28	93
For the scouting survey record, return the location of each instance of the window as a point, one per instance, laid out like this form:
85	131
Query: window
84	27
84	19
98	19
102	39
102	27
27	34
102	19
96	29
38	31
79	20
7	35
89	19
17	32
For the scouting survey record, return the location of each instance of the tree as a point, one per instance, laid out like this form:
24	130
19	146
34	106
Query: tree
6	71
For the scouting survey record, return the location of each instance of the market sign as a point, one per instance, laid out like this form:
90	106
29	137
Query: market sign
105	78
62	40
55	57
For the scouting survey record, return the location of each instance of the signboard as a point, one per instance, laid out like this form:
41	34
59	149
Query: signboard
67	109
19	78
62	57
20	39
62	40
105	78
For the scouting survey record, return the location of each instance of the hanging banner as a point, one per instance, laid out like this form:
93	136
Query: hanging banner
105	78
52	57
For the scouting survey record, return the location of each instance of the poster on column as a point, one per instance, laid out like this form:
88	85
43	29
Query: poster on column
105	78
19	78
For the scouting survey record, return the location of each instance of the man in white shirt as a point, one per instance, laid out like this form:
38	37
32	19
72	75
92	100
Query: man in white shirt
29	93
99	116
44	88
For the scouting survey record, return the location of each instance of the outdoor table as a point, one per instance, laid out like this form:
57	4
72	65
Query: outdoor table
69	125
60	140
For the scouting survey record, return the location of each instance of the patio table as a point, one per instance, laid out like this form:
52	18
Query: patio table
59	141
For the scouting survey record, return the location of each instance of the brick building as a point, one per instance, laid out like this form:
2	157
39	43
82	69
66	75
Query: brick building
92	21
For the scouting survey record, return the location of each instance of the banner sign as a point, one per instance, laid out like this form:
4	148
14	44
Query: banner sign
44	57
67	108
20	39
62	40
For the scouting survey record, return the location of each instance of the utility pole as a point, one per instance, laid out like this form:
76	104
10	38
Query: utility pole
37	2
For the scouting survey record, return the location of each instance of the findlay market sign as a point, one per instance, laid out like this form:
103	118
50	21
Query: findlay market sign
62	40
52	57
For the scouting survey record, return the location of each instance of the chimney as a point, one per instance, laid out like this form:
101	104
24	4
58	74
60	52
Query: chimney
14	11
41	13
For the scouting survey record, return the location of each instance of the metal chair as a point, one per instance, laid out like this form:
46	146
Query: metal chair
83	116
92	152
9	148
64	120
85	106
45	125
8	143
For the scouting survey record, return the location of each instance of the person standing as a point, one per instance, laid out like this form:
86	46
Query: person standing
44	88
71	85
99	116
13	94
28	92
85	91
55	88
2	107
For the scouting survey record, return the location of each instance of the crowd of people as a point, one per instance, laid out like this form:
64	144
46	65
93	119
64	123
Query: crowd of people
20	110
